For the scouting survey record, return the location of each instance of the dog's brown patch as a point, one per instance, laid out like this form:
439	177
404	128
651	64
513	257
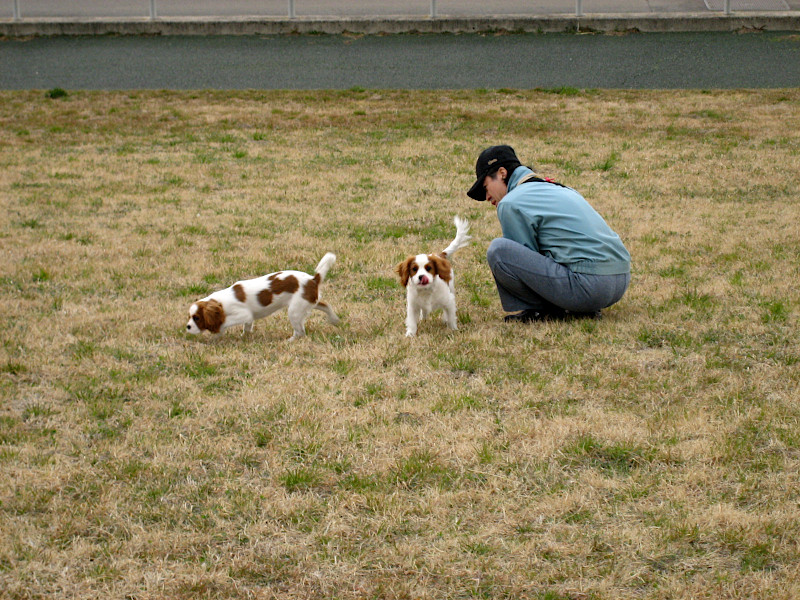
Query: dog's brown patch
265	297
238	292
311	290
404	270
441	267
209	316
288	284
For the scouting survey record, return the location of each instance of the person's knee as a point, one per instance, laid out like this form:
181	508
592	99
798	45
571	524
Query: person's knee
494	253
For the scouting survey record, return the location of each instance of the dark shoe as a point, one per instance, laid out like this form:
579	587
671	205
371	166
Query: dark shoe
531	315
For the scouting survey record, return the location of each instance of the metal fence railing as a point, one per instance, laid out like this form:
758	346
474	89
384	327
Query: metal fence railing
293	9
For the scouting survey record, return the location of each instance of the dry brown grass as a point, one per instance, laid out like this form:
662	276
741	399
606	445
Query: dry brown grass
654	454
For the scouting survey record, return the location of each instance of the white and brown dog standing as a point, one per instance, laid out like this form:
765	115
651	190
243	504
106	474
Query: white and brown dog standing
428	279
246	301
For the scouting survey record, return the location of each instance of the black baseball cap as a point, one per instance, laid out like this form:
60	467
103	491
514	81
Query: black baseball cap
488	162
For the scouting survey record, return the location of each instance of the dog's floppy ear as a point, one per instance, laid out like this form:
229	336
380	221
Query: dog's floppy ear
213	315
404	270
441	267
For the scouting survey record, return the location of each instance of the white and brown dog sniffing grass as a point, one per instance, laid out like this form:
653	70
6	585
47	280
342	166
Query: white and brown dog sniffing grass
428	279
246	301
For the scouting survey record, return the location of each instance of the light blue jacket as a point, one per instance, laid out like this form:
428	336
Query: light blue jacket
559	223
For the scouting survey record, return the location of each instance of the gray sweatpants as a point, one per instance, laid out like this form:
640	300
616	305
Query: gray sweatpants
528	280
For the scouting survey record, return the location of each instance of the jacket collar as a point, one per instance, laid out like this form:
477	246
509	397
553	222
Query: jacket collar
520	172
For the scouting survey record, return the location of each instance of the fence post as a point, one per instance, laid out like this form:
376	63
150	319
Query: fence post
727	7
578	8
433	9
153	12
16	10
291	9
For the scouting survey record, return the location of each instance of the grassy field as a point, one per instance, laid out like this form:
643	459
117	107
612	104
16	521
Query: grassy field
653	454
